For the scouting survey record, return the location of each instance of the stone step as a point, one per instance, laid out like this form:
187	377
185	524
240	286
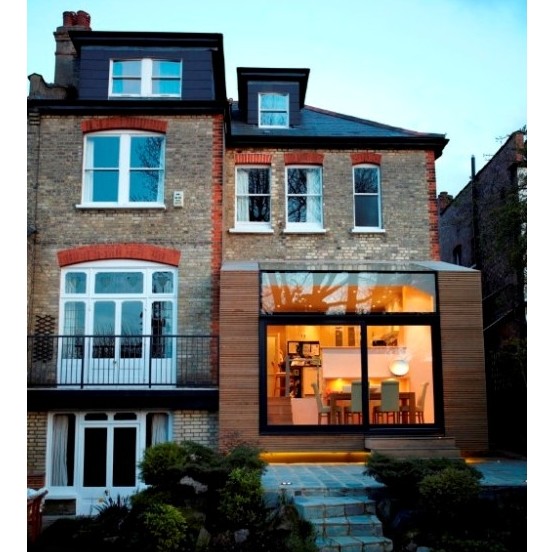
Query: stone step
348	526
355	544
414	447
344	523
317	507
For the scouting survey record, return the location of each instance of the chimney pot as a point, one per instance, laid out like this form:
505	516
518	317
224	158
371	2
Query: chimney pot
69	18
83	19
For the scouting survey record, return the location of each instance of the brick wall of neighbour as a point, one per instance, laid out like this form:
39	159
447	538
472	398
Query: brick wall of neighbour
193	165
196	425
409	216
36	443
456	228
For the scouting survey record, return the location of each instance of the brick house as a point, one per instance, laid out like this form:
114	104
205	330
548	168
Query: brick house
209	261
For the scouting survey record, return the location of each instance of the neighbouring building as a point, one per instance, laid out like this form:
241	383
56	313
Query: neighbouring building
483	227
207	269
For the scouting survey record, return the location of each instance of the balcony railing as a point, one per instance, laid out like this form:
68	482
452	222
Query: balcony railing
122	360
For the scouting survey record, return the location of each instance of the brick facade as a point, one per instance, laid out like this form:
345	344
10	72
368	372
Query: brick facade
196	425
404	188
189	230
36	442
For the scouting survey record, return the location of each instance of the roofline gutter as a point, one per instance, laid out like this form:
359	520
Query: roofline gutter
419	143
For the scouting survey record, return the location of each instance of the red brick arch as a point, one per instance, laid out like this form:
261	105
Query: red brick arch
366	157
128	123
102	252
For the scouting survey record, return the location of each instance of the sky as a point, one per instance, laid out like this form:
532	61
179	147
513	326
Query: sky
453	67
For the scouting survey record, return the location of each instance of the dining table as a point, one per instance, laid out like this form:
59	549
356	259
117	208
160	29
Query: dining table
406	398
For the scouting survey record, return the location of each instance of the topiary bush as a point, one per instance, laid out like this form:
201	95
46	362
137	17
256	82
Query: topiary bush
162	528
402	476
163	464
448	494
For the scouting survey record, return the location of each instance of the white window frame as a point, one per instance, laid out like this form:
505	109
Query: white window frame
246	225
124	170
146	79
273	110
91	268
360	228
307	226
77	489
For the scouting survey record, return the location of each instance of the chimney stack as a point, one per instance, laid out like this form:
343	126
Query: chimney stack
443	201
64	74
472	167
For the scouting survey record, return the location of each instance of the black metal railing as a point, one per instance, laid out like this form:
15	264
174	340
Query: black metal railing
122	360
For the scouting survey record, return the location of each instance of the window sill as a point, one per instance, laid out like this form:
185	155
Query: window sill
161	206
238	230
304	231
63	493
361	230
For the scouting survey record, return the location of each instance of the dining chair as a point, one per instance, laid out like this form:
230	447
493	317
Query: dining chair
389	408
356	403
420	405
323	409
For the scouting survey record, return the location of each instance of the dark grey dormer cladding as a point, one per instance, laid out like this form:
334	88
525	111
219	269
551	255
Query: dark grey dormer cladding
197	70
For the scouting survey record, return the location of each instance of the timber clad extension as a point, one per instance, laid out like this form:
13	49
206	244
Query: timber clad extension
200	268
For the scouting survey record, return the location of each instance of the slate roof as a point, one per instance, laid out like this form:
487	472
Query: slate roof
319	126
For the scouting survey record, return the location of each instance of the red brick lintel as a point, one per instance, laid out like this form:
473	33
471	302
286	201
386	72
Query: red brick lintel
116	123
252	158
366	157
304	158
101	252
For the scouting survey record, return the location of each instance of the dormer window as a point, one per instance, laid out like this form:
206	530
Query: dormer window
273	110
145	78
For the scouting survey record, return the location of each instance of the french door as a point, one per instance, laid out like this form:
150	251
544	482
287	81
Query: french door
108	452
118	348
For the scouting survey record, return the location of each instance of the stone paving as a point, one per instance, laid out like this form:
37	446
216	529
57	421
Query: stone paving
497	472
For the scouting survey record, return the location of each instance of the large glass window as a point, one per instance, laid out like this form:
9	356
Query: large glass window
370	363
252	197
336	293
124	169
273	110
304	198
367	197
314	377
145	78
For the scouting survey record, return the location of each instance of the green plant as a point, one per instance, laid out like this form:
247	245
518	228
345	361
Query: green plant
163	529
446	495
241	499
403	476
162	464
111	514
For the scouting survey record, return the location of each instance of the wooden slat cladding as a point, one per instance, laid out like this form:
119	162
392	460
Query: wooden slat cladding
464	390
239	357
464	384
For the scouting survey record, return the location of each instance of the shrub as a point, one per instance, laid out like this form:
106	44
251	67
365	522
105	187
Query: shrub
163	529
403	476
163	464
241	500
244	456
446	495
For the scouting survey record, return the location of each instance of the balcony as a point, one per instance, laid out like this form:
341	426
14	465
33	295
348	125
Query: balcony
122	361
